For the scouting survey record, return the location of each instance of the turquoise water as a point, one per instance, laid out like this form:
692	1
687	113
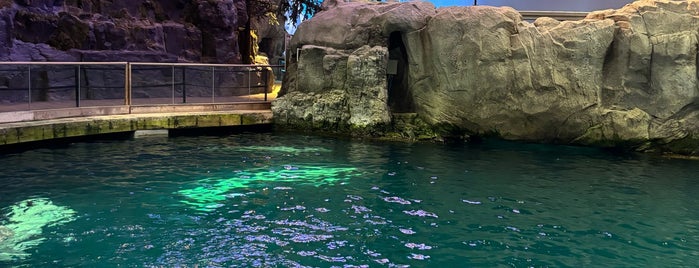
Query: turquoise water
266	200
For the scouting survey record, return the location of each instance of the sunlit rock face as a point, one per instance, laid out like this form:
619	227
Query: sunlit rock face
338	65
624	77
341	90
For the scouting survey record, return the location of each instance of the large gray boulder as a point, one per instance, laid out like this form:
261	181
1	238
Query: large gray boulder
346	90
619	78
339	80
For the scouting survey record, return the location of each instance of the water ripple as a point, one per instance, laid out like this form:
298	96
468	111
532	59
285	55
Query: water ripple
420	246
471	202
407	231
395	199
420	213
307	238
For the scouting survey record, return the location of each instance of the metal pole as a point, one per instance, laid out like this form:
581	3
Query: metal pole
184	85
475	2
249	82
296	78
173	84
265	76
213	83
77	89
127	84
29	86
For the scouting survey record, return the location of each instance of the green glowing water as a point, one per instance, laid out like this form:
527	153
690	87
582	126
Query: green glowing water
212	192
22	230
264	200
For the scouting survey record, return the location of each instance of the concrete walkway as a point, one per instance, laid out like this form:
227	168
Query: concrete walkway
28	131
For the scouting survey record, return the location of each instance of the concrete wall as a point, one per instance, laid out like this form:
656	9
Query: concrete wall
12	133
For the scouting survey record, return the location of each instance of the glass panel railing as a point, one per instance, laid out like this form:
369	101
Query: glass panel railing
183	83
14	88
100	85
56	85
28	86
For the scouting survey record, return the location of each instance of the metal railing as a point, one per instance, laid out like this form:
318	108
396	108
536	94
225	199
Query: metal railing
26	86
55	85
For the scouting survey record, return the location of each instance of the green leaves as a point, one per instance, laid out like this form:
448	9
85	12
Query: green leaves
299	10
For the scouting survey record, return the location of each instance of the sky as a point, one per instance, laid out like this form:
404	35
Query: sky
558	5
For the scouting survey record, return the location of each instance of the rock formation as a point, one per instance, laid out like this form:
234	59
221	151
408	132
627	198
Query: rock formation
118	31
138	30
618	78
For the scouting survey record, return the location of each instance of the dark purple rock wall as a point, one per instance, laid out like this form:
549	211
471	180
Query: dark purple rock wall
201	31
134	30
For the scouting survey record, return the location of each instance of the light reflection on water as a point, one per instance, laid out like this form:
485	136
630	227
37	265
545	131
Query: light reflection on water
212	201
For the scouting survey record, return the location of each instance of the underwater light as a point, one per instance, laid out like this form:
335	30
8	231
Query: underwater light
24	225
212	192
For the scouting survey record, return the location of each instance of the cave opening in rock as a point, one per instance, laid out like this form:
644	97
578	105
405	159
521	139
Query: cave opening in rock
399	98
266	46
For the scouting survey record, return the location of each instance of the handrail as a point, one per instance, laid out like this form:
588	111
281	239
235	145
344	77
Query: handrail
62	63
135	63
559	15
202	64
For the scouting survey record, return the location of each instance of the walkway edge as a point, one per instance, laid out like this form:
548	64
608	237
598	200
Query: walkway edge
20	132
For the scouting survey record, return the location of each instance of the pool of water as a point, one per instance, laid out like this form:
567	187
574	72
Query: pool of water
272	200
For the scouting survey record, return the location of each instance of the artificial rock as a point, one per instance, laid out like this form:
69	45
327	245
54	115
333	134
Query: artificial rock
178	31
618	78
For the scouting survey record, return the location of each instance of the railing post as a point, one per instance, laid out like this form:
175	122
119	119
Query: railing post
77	86
127	85
213	83
265	76
173	84
249	84
184	84
29	86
